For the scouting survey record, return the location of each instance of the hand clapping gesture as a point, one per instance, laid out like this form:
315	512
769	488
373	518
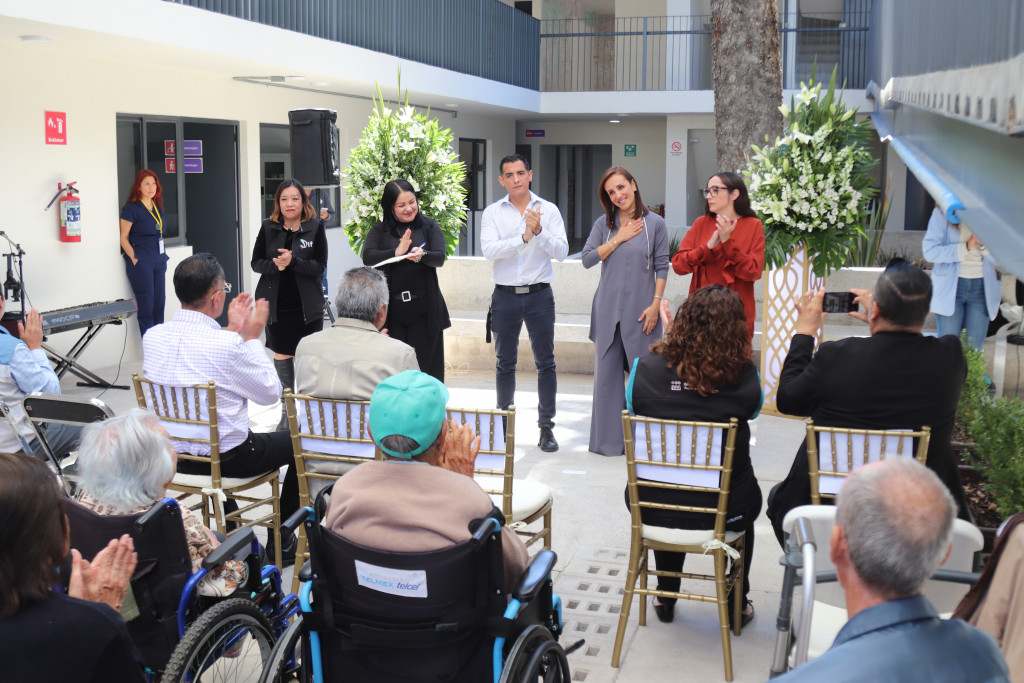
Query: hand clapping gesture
106	578
725	228
460	449
404	243
283	259
249	323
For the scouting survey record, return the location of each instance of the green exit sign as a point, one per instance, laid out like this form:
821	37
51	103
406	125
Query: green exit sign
630	150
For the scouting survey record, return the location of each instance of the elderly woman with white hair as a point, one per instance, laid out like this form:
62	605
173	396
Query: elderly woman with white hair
126	464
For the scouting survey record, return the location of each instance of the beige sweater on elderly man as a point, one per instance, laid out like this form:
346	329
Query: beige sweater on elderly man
408	506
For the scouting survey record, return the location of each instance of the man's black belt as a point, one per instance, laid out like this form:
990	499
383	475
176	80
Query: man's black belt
524	289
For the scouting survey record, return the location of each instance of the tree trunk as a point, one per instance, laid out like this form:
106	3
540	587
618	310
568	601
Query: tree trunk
747	78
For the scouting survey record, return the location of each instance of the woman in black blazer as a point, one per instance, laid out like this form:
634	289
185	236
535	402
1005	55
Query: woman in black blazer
417	314
291	256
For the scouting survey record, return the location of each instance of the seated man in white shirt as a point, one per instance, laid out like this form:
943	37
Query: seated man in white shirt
193	349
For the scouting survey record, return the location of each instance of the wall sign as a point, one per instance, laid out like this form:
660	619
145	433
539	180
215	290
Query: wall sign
630	151
169	166
56	127
534	132
676	148
168	148
192	148
192	164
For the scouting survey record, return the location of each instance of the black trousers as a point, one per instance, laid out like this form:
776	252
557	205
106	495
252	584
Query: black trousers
258	454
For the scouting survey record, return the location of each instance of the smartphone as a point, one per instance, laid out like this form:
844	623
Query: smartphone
839	302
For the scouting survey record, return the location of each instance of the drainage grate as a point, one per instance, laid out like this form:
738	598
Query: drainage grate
591	588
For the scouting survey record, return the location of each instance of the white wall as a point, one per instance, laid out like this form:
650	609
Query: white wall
59	275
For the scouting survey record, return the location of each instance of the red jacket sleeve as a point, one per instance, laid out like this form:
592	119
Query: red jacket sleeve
694	249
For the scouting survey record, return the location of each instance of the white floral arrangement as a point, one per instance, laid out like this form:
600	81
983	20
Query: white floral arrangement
813	187
404	143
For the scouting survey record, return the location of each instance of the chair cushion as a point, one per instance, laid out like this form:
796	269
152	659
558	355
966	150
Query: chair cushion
527	496
685	536
204	481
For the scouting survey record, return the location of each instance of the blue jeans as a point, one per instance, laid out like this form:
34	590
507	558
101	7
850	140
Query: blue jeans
508	313
970	312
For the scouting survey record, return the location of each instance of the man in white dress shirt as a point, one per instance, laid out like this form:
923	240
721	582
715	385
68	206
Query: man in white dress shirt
193	349
520	234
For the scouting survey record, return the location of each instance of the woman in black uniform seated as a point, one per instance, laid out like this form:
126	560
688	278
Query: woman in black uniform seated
45	635
290	255
702	371
417	313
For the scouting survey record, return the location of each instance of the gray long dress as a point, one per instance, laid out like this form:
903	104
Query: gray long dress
626	288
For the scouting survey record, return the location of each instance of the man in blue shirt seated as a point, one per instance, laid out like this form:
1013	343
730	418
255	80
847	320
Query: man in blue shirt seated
894	526
24	368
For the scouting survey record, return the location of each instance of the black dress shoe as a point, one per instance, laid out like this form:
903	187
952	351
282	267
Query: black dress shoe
665	613
547	440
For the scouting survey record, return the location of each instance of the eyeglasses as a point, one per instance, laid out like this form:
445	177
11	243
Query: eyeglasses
713	190
227	288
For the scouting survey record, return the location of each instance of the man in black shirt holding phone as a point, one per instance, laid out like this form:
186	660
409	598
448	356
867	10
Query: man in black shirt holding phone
895	379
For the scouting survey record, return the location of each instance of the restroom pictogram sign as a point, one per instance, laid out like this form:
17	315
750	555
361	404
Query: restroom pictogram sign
56	126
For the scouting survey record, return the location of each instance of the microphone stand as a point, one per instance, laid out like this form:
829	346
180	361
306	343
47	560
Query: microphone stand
16	288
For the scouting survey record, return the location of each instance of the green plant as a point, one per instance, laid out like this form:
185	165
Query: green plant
404	143
974	395
884	257
998	430
812	186
866	247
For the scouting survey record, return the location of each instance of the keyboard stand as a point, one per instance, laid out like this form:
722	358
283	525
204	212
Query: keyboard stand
69	362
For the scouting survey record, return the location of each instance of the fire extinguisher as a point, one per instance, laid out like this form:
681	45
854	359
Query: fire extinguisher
69	212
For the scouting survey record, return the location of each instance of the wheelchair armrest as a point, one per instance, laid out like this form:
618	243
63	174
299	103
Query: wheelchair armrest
306	573
295	521
953	576
229	548
534	576
161	507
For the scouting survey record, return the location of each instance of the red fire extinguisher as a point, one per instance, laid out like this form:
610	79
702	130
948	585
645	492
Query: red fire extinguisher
69	212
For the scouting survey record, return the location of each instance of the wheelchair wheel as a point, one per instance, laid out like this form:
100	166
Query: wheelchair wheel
285	664
231	641
535	656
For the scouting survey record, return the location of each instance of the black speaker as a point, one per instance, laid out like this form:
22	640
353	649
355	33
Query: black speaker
314	147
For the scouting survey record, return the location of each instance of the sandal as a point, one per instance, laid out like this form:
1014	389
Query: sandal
745	617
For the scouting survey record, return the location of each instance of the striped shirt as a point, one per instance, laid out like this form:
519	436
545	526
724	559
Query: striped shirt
194	349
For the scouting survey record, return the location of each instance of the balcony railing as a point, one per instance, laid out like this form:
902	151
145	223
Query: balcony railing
674	53
485	38
925	36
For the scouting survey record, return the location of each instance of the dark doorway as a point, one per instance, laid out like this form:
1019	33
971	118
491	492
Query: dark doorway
211	197
473	153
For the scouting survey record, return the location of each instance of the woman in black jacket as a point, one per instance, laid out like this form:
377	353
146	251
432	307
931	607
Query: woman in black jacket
417	313
291	256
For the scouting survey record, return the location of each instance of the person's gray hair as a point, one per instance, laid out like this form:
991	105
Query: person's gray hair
361	293
125	461
404	444
898	520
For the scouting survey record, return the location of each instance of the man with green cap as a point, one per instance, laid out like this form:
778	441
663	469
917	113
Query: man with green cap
423	496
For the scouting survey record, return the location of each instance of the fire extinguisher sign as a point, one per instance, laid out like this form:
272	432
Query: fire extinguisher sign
56	127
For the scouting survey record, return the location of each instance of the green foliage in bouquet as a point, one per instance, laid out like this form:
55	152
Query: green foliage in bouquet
404	143
812	187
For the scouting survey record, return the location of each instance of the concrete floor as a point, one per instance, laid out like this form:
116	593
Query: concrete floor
591	536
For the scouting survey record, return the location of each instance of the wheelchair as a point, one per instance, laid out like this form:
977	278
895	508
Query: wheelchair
181	635
373	616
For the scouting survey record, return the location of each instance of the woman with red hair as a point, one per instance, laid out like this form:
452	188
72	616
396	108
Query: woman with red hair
702	371
142	245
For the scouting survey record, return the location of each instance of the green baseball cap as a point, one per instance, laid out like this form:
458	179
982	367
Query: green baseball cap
410	404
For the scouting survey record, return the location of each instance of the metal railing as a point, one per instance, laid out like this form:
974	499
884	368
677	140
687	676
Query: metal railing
485	38
674	53
913	37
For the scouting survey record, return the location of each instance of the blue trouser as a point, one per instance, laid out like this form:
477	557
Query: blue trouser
970	312
508	313
147	280
61	438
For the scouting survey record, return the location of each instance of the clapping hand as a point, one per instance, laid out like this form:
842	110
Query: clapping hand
532	218
32	331
283	259
404	243
725	228
249	323
106	578
460	449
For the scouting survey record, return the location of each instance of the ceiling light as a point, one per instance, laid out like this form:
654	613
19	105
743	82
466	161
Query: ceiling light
451	105
294	78
613	121
36	39
320	84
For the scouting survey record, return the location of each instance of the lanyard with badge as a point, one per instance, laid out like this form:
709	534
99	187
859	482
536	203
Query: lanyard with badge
159	220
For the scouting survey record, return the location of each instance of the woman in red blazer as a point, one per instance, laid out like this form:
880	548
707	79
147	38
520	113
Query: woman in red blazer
725	246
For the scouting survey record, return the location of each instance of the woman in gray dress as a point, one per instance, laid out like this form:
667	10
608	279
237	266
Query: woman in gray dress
631	244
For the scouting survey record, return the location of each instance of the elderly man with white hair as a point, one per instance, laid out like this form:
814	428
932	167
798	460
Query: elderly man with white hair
894	527
126	464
